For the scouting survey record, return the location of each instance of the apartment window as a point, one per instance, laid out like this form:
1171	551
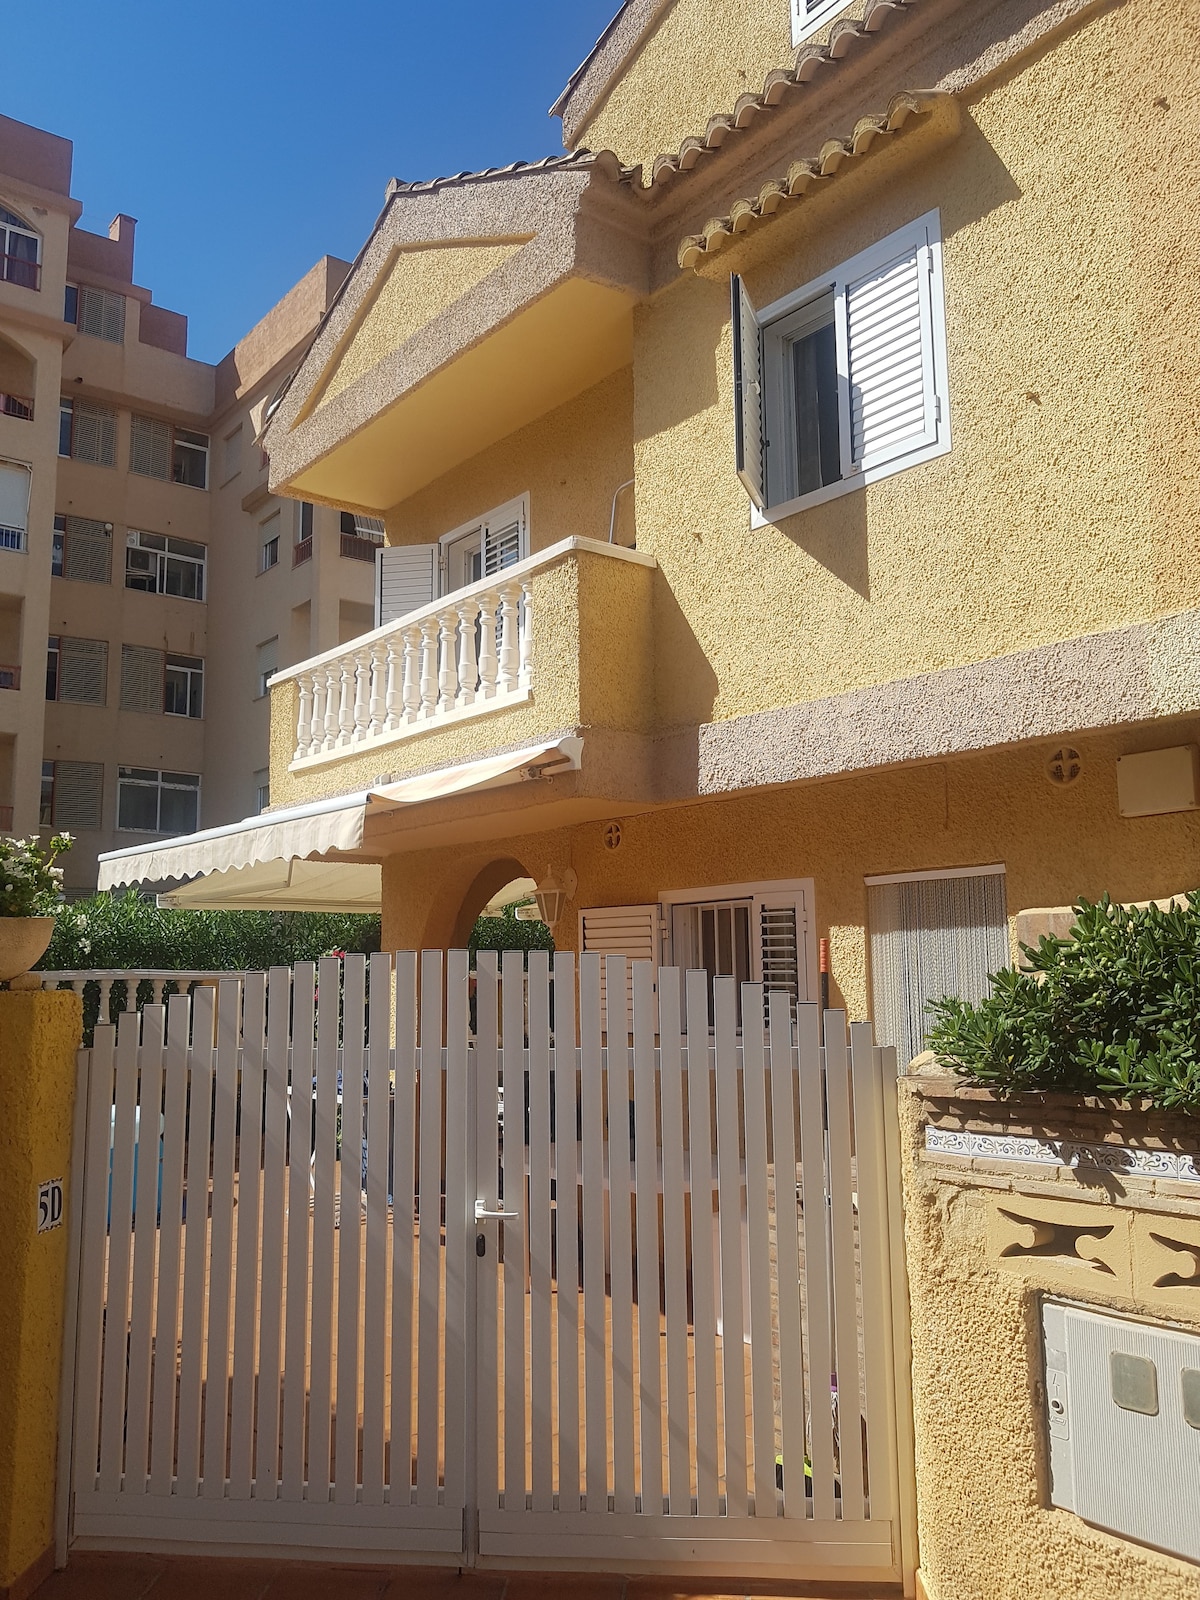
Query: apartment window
72	795
844	381
158	564
183	693
753	933
361	536
82	549
408	576
100	314
268	663
232	454
932	934
76	670
808	15
20	251
14	505
157	802
262	790
71	303
268	533
159	450
303	548
87	432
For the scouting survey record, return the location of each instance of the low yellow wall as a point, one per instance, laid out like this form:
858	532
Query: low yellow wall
987	1528
39	1035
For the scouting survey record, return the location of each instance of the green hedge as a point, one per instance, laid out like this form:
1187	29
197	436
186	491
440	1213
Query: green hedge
507	932
1114	1010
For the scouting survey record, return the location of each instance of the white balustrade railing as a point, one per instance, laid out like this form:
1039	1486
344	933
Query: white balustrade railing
469	649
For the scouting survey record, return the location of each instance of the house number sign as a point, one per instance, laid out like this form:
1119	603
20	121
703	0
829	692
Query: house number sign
49	1205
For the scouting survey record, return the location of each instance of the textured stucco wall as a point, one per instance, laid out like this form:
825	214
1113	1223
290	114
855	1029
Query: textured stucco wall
570	462
1049	517
695	61
417	286
39	1034
1057	843
988	1531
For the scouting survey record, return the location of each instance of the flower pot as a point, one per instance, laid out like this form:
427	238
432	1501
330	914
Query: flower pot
22	941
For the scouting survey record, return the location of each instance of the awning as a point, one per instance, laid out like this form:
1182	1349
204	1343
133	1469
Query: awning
296	858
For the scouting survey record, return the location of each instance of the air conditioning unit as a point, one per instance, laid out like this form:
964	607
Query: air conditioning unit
1123	1416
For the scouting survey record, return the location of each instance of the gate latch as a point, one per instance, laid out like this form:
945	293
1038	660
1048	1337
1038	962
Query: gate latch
482	1214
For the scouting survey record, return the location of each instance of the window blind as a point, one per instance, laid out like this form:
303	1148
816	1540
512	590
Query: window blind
150	447
82	671
101	314
87	550
78	794
141	678
94	434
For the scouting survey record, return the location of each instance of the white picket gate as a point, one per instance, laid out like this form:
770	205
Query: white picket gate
397	1262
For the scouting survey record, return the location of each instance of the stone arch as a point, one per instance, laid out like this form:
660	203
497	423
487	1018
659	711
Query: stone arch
487	882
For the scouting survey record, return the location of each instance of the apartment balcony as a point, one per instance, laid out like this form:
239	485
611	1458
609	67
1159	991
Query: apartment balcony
17	405
559	640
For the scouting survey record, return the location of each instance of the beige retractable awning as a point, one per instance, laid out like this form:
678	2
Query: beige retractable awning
302	858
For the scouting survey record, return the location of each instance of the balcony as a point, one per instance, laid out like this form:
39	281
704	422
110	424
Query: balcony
302	551
10	677
357	549
565	634
16	405
19	270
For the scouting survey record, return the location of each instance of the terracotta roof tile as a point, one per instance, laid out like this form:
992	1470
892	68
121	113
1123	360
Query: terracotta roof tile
810	62
805	174
604	160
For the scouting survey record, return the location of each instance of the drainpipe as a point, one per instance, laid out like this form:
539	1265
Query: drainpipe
612	520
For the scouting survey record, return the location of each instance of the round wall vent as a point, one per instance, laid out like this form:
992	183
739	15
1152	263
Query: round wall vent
612	835
1064	766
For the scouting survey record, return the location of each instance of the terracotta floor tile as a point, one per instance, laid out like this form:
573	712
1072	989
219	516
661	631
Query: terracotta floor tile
426	1583
99	1575
300	1581
198	1579
564	1586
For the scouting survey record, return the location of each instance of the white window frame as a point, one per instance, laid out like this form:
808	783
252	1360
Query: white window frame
779	888
471	536
805	22
162	557
158	786
925	230
17	225
192	668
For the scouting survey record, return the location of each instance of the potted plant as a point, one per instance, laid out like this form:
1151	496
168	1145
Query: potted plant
30	886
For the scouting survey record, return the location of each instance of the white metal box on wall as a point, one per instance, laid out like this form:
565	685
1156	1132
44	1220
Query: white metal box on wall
1123	1414
1154	783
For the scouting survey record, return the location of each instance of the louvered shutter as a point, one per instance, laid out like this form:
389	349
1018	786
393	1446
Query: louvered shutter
94	435
141	678
14	497
82	671
629	931
87	550
405	579
781	933
504	538
749	445
78	794
886	326
102	315
150	447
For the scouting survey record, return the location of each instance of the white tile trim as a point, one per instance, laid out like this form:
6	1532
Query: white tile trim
1063	1153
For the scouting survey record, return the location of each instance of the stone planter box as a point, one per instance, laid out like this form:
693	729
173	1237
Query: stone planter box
1008	1202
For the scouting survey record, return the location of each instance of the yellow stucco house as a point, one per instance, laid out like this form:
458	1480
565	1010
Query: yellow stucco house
790	506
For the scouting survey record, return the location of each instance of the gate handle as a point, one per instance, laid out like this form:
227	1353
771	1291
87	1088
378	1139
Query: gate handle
482	1214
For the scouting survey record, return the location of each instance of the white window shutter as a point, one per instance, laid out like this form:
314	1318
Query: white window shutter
94	435
749	445
630	931
505	537
885	334
101	314
78	794
14	497
781	944
141	678
405	579
83	671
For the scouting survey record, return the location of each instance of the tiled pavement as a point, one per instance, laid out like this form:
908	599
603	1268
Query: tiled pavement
145	1577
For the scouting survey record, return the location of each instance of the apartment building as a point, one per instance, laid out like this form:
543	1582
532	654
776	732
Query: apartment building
790	498
139	610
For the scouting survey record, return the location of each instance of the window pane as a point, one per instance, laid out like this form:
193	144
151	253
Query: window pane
46	809
137	806
179	810
818	450
183	578
190	464
184	547
65	418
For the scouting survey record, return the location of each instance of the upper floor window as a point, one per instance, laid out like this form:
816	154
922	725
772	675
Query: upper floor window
14	505
72	794
157	802
96	312
361	536
20	251
87	432
268	533
844	381
153	681
82	549
159	450
161	565
808	15
76	670
409	576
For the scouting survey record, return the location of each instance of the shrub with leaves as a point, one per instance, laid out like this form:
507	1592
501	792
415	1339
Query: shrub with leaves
509	932
30	883
1113	1010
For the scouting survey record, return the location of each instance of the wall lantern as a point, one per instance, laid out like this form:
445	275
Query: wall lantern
552	896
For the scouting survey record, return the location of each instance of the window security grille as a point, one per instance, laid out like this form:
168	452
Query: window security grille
76	670
931	937
82	549
101	314
141	679
72	794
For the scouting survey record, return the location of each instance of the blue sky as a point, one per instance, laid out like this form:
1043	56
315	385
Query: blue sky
250	137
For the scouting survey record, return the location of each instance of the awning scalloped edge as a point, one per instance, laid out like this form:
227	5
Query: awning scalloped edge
806	174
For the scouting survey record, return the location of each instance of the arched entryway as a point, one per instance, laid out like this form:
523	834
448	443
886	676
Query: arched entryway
486	884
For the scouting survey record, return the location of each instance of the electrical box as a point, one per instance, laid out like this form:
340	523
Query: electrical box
1151	783
1123	1418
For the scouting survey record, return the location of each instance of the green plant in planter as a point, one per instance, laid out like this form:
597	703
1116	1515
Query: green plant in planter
30	883
1113	1010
